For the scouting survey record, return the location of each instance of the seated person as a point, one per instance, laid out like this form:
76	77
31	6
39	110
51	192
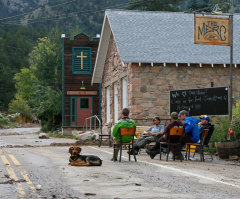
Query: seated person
205	124
153	133
125	122
191	128
174	123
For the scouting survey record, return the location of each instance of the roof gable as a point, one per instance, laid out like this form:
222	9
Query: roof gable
163	37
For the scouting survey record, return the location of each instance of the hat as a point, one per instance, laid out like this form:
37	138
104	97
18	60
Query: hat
204	117
174	115
182	112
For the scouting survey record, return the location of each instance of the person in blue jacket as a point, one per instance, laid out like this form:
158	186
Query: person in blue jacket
191	127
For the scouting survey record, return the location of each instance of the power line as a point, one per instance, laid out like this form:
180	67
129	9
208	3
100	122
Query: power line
19	21
74	14
1	19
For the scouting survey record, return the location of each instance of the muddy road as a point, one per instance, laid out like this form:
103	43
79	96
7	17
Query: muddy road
32	168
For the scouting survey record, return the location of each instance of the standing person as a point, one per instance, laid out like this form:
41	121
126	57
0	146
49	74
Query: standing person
191	127
125	122
174	123
152	135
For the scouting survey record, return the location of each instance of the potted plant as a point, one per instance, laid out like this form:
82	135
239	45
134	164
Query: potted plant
227	134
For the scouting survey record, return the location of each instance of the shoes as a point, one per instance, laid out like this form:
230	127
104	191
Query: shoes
135	152
114	159
152	154
179	157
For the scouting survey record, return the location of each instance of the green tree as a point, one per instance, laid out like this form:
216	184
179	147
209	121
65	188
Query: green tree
154	5
45	61
25	80
207	5
39	86
15	45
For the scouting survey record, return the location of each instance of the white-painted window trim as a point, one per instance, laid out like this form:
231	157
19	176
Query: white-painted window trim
115	86
124	93
108	107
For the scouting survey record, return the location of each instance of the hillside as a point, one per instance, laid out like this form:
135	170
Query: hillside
80	15
22	22
13	7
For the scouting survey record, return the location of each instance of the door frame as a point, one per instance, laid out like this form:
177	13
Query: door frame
76	96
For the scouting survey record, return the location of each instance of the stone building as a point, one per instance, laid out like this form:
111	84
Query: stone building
142	56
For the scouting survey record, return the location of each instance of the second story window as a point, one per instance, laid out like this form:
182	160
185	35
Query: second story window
81	60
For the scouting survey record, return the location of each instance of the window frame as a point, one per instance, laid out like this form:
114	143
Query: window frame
75	69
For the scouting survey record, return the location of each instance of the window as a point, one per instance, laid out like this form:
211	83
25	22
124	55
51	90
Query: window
81	60
115	102
73	109
124	93
108	104
84	103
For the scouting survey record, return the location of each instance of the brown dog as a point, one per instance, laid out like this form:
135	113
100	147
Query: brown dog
82	160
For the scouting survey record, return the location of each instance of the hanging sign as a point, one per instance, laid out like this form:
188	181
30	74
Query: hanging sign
211	30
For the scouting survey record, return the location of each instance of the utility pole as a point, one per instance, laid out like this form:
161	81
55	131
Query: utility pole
231	61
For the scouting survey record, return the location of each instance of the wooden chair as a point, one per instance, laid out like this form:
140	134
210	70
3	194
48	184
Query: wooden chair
176	133
140	130
139	133
124	132
204	140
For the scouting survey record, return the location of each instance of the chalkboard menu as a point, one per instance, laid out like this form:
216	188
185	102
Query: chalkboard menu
204	101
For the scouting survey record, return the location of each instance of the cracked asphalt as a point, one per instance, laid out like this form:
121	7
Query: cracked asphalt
33	168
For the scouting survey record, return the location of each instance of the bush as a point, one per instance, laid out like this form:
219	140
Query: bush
20	106
4	120
8	119
223	124
13	117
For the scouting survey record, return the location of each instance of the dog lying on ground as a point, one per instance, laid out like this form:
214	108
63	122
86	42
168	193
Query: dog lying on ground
82	160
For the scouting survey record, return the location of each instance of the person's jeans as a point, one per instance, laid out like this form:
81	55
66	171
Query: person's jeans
143	141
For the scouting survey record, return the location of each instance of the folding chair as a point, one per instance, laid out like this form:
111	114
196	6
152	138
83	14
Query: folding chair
204	140
108	136
175	135
124	132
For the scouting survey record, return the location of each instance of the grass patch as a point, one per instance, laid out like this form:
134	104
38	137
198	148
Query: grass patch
56	135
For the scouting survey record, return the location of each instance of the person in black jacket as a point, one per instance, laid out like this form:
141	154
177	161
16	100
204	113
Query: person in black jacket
205	124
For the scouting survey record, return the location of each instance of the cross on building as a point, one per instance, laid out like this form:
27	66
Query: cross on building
81	57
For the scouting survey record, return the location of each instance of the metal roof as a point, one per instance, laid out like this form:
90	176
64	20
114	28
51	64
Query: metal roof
159	37
165	37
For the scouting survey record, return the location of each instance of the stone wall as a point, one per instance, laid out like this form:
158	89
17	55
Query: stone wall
114	71
149	86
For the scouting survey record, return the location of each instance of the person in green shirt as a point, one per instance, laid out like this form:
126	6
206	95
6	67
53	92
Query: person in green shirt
125	122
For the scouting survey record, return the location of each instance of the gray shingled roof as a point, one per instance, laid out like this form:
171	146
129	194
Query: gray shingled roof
165	37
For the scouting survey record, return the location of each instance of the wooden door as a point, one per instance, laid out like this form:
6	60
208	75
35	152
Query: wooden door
84	109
